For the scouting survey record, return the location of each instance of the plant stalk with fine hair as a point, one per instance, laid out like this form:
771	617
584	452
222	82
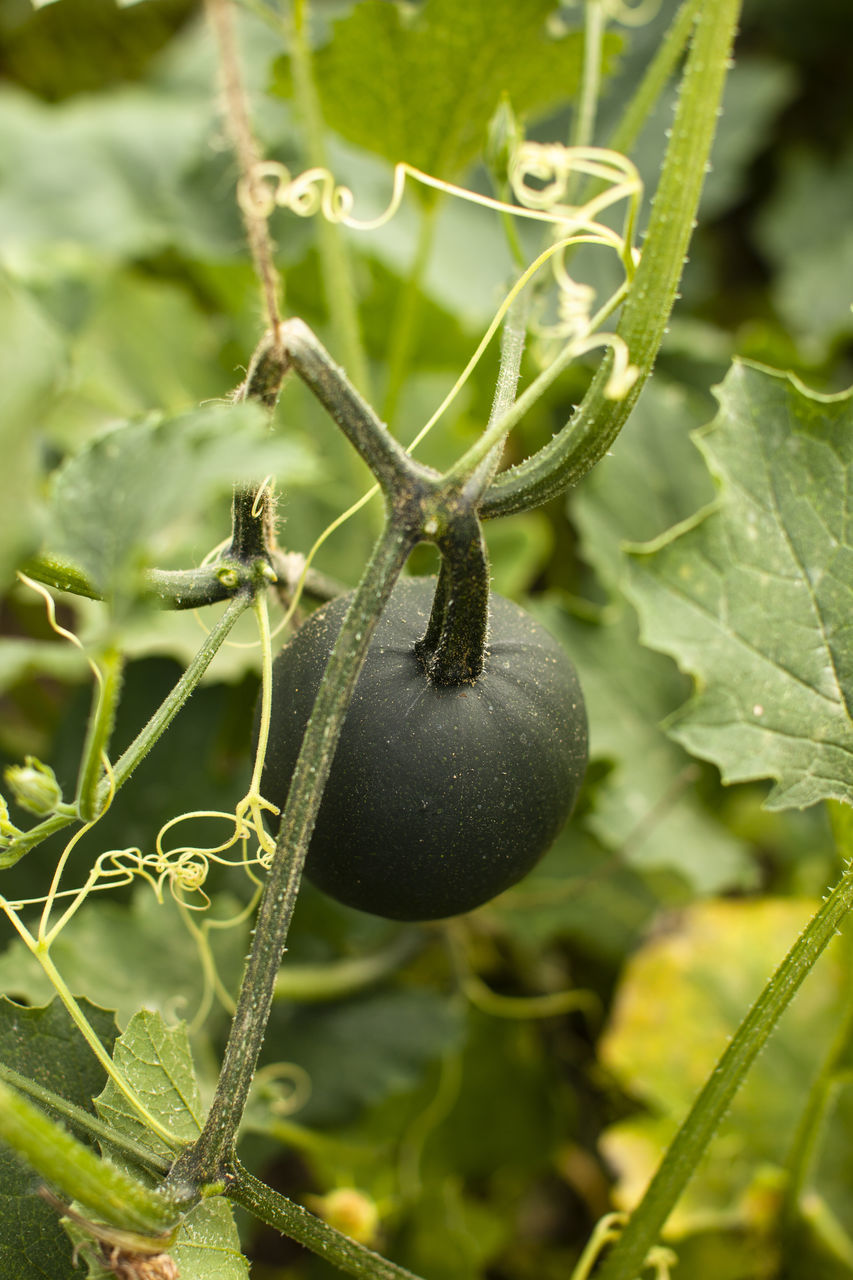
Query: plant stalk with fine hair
625	1260
589	434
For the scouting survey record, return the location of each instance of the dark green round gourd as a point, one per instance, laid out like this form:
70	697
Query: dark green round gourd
439	798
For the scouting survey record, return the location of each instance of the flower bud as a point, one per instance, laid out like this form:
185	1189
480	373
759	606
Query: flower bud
350	1211
34	786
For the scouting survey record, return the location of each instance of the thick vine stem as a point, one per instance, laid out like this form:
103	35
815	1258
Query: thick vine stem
625	1261
312	1232
591	431
207	1160
385	456
452	651
252	534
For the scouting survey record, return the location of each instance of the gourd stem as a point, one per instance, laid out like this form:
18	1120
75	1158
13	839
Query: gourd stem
252	511
452	650
207	1160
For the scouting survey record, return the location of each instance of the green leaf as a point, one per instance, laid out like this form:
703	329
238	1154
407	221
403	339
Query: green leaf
753	596
79	46
31	362
207	1246
681	998
33	1246
581	894
101	171
44	1045
519	549
647	808
161	362
826	1195
156	1061
758	88
473	1232
110	501
652	478
421	85
22	660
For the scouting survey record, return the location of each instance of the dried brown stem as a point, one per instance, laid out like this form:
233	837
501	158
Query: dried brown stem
247	153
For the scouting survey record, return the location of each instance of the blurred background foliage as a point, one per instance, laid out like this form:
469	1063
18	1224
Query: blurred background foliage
489	1138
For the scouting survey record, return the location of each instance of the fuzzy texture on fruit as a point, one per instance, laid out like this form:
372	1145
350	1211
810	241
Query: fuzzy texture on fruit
439	798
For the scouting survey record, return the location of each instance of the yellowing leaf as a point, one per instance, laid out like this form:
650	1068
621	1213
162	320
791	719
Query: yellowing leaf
681	999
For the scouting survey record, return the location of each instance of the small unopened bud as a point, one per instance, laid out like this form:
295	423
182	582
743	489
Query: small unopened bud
505	136
34	786
350	1211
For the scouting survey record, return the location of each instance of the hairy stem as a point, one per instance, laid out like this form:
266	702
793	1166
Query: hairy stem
684	1153
206	1161
386	458
246	149
170	588
292	1220
452	650
590	433
655	79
